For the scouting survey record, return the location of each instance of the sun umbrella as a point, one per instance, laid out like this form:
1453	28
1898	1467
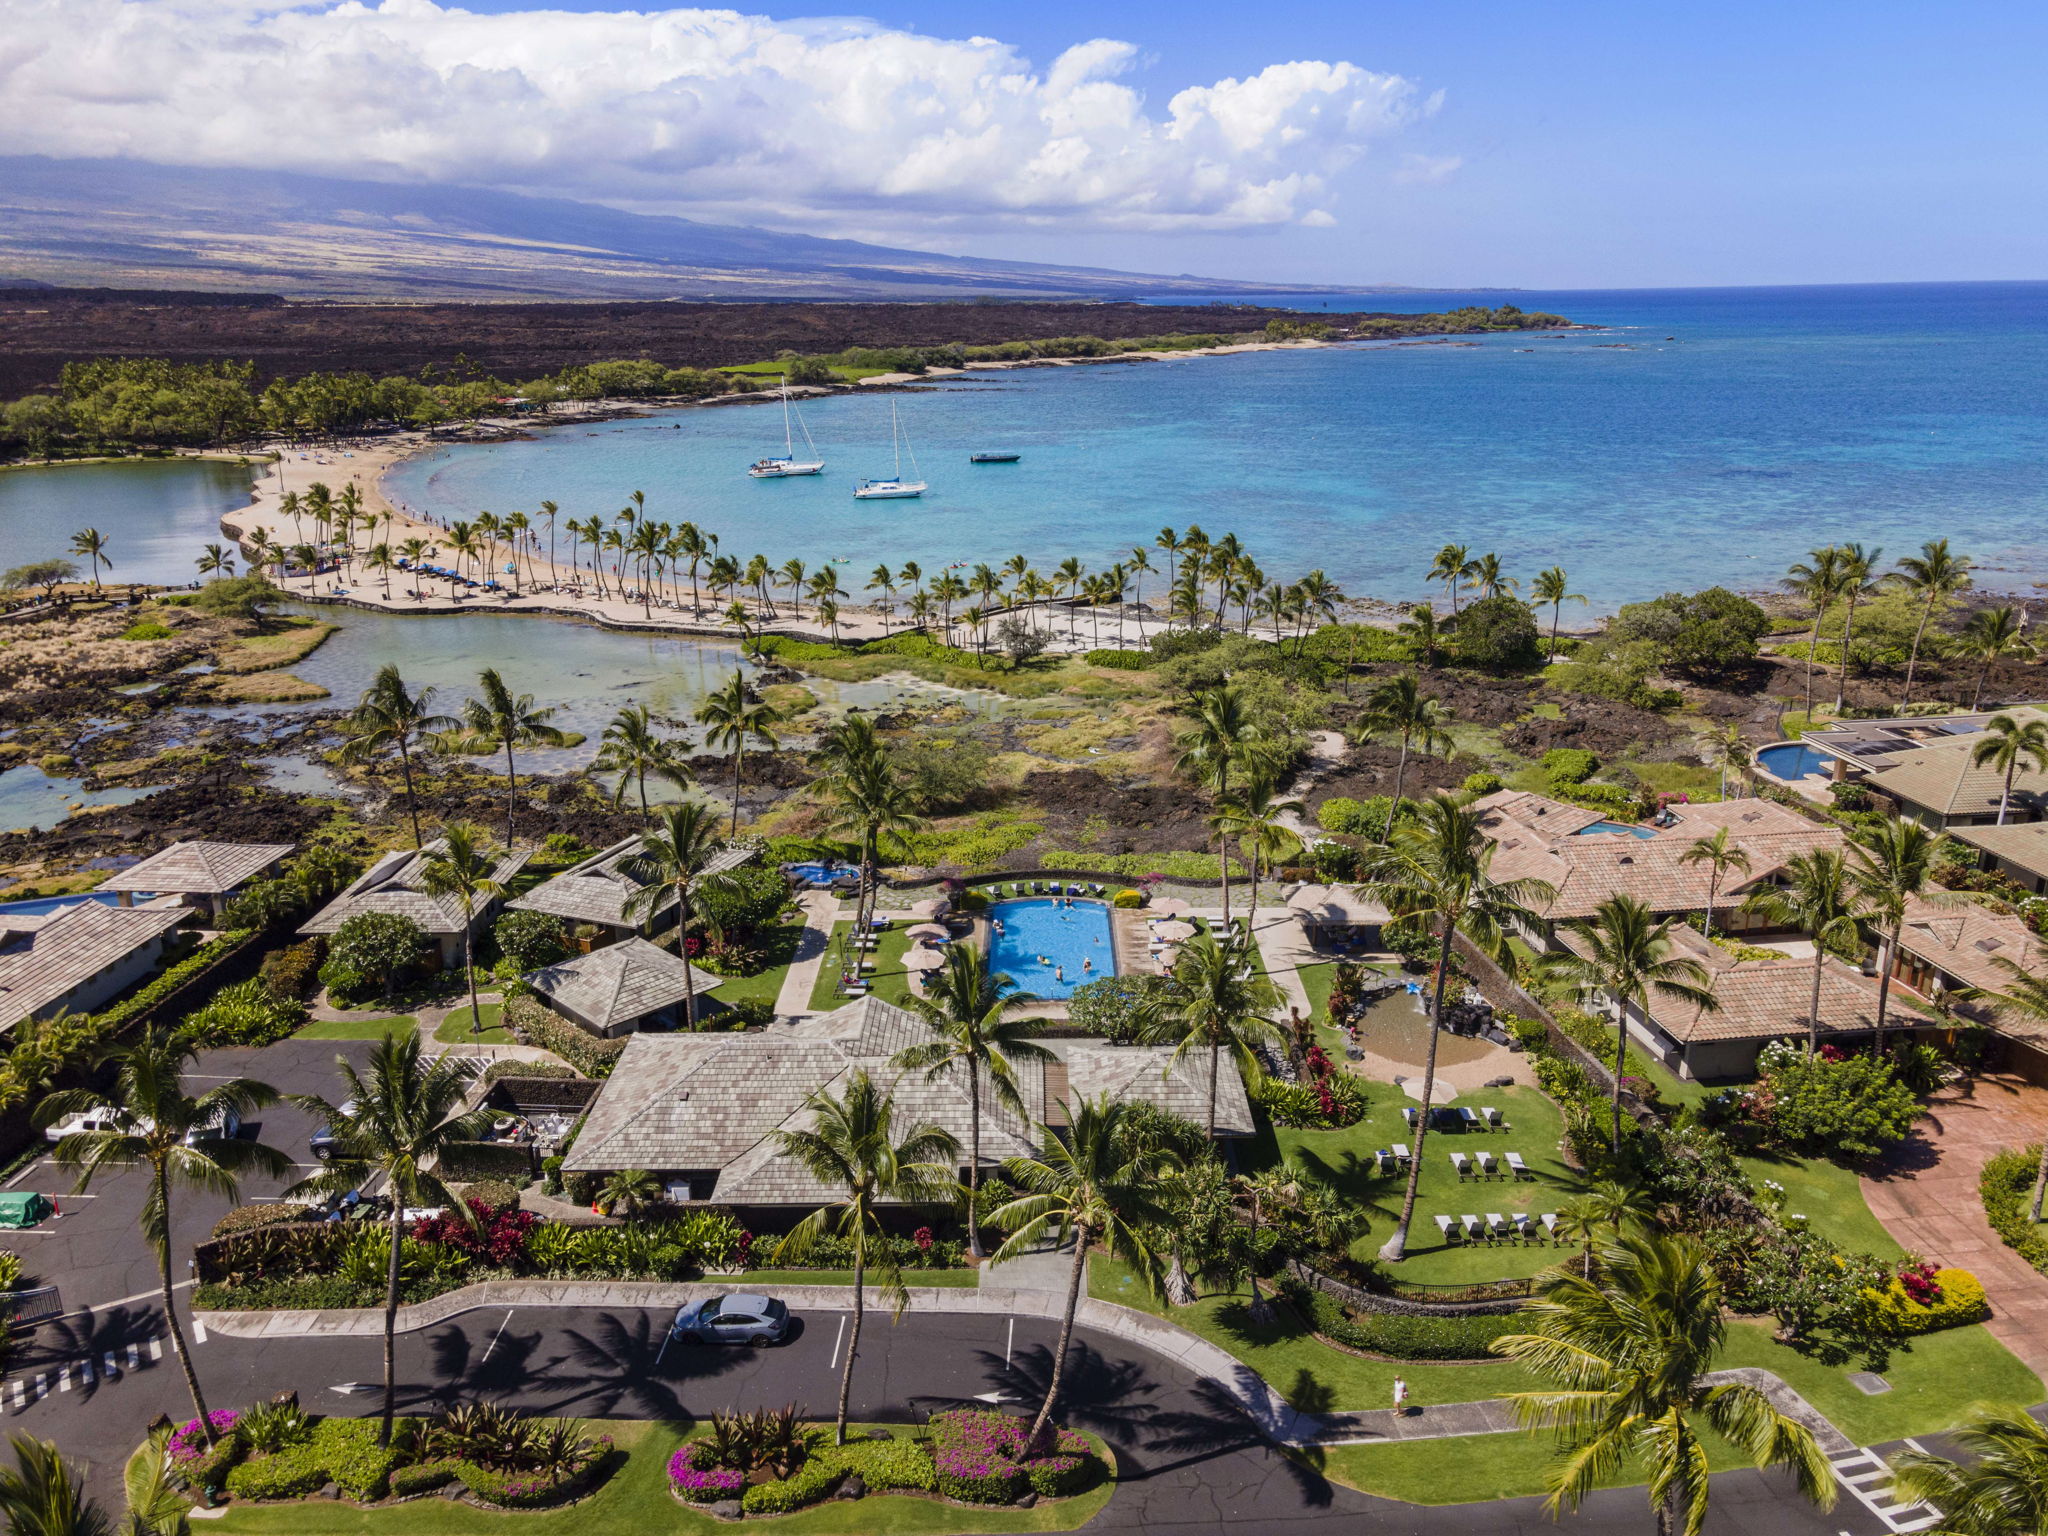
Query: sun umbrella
1172	906
925	960
937	931
927	908
1175	932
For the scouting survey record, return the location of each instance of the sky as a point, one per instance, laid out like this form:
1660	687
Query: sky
1427	143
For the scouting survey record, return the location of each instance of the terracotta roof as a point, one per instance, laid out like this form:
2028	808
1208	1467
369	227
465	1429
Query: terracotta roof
2021	843
71	948
396	884
620	982
597	890
1942	778
1967	939
198	869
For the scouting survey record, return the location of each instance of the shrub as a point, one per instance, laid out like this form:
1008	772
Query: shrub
370	949
1122	661
530	940
148	629
1398	1334
1569	765
1953	1298
1852	1107
1115	1007
2006	1186
1703	634
245	1013
1483	782
1327	1103
289	973
1497	634
495	1194
423	1478
247	1218
534	1024
707	1485
886	1466
816	1478
978	1457
1128	899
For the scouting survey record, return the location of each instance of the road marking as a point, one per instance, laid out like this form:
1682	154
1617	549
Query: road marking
156	1349
198	1331
20	1393
85	1377
1868	1476
995	1397
500	1334
122	1301
1009	1343
64	1377
42	1387
838	1339
111	1369
134	1357
34	1164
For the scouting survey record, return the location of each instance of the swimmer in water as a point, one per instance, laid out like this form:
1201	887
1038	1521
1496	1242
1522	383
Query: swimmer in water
1059	973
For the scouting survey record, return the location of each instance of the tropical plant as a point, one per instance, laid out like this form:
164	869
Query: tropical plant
90	544
672	864
500	719
463	868
633	747
391	718
2008	744
1553	587
1892	866
397	1118
1218	1006
1603	1206
180	1142
1627	1351
627	1192
2000	1490
2027	991
1990	634
1817	579
1933	577
1259	819
43	1495
1398	707
732	717
869	798
216	561
853	1147
1857	579
1721	855
1224	737
1817	894
1453	564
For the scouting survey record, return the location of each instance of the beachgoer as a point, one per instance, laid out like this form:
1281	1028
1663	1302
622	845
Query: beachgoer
1059	973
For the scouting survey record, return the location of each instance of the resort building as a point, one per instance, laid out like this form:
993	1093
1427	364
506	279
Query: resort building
592	896
1922	765
79	957
623	987
2017	850
700	1110
1953	954
396	884
199	874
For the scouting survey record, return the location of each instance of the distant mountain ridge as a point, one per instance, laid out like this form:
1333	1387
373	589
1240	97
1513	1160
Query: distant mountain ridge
129	224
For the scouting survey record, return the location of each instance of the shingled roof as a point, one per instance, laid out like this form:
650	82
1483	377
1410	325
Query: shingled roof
396	884
1967	940
73	946
1151	1075
2023	844
1942	778
619	983
597	890
198	868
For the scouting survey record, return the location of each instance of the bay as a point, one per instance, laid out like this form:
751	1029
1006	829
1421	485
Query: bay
157	515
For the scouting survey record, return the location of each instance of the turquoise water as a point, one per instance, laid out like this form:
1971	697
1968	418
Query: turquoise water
157	516
1063	938
1790	760
31	798
1709	436
1614	829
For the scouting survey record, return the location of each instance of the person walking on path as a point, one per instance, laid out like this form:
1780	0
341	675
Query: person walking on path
1400	1397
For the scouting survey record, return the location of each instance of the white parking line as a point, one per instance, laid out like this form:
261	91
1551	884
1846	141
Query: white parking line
497	1336
156	1349
198	1331
838	1339
1009	1343
40	1162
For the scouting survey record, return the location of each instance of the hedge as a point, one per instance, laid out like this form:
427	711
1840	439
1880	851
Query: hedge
1122	661
532	1022
341	1451
817	1477
1398	1334
2006	1185
1962	1301
468	1160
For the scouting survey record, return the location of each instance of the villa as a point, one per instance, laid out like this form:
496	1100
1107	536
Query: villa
200	874
623	987
1952	953
78	957
2018	850
396	884
1922	766
700	1110
594	894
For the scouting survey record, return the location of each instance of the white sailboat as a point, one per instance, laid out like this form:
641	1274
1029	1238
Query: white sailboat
895	487
789	463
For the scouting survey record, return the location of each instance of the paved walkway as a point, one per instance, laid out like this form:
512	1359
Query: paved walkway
821	913
1926	1196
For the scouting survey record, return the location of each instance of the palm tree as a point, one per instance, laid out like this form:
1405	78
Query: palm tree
1892	866
1490	579
1627	1353
43	1495
464	869
1933	576
1721	854
673	864
1816	579
2027	991
1434	874
396	1120
869	796
2008	742
632	747
1858	580
1452	565
853	1147
1555	588
90	544
972	1012
377	559
1258	818
1397	706
1423	633
1628	954
216	561
1992	633
155	1124
1097	1183
1218	1005
389	718
1730	754
501	718
1223	735
1818	895
1169	541
1604	1205
2001	1490
732	719
627	1192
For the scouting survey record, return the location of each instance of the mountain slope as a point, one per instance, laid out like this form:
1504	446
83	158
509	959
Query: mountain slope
128	224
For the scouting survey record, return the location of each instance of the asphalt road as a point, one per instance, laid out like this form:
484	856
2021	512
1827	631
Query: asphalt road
1191	1464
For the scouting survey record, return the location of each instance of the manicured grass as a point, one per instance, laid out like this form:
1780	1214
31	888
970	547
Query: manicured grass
964	1279
889	980
765	985
636	1500
454	1030
1466	1469
1830	1197
358	1029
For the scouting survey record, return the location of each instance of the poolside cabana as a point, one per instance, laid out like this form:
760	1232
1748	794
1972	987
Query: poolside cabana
1327	911
199	874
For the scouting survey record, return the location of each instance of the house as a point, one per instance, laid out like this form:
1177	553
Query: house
595	893
1922	766
1586	857
77	958
396	884
701	1110
2017	850
199	874
627	986
1760	1001
1952	954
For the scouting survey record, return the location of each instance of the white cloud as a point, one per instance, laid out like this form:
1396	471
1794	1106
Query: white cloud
712	112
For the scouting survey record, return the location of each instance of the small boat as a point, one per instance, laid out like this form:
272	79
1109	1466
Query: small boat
895	488
993	458
789	464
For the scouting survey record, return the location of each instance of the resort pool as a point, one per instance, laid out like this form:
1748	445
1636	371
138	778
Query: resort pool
1790	760
1065	938
1628	828
820	874
42	906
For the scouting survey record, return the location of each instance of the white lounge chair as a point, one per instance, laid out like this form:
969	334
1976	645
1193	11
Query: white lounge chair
1468	1117
1463	1164
1496	1224
1408	1113
1517	1167
1474	1229
1492	1116
1549	1219
1488	1167
1448	1229
1402	1153
1523	1229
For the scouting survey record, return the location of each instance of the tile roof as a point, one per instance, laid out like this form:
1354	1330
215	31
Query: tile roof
198	868
2020	843
1942	778
72	947
597	890
620	982
396	884
1149	1073
1965	940
1541	839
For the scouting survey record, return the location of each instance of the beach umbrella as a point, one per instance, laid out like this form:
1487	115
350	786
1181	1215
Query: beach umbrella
937	931
1172	906
927	908
925	960
1168	957
1175	933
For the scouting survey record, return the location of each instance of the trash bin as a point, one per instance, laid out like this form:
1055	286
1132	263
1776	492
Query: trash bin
22	1208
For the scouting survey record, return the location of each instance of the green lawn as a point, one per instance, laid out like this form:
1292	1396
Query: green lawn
1466	1469
454	1030
965	1279
636	1500
357	1029
1830	1197
890	981
765	985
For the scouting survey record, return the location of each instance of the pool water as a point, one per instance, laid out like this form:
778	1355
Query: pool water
1790	760
1627	828
1065	938
41	906
820	874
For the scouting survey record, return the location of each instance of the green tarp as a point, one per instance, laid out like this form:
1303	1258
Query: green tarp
22	1210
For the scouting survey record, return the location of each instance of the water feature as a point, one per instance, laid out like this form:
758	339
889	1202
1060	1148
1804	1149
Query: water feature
1048	949
1615	828
157	515
1398	1028
31	798
1790	760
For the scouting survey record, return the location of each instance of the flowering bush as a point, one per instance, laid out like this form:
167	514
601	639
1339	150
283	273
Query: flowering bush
980	1457
702	1485
498	1237
1923	1299
189	1444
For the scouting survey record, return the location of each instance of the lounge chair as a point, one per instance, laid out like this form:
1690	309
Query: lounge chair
1474	1228
1463	1164
1383	1160
1493	1119
1523	1228
1467	1118
1401	1153
1409	1113
1487	1166
1496	1224
1517	1167
1449	1230
1549	1220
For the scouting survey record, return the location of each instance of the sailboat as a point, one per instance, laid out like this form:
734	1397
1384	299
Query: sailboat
895	487
789	463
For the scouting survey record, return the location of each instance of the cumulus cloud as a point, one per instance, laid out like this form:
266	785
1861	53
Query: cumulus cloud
688	110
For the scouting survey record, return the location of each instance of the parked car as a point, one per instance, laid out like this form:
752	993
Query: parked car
101	1119
322	1140
742	1319
226	1123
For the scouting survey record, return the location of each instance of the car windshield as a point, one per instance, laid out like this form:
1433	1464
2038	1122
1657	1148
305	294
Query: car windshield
777	1309
712	1307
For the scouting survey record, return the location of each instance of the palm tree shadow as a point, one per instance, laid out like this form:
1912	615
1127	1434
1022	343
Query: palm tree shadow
90	1339
617	1364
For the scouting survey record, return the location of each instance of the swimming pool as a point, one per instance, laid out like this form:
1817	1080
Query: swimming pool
1617	826
821	874
42	906
1790	760
1073	942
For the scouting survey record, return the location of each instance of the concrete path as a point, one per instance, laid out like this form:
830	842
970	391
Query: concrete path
821	914
1324	755
1926	1196
1285	948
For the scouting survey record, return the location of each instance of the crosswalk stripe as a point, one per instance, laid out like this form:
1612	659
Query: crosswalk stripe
85	1377
134	1357
198	1331
109	1368
42	1387
64	1378
156	1349
20	1393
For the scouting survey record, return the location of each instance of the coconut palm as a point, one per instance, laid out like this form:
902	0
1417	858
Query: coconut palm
673	864
499	718
1397	706
390	718
377	558
1555	588
216	560
1817	894
1434	875
1729	753
1892	866
1625	951
1258	817
1604	1206
155	1124
633	747
1453	564
464	869
1424	634
854	1147
1816	579
397	1118
1490	579
1933	576
1721	855
1219	1005
42	1494
869	798
1097	1182
627	1192
2008	743
972	1012
1991	633
90	545
1627	1352
732	717
1223	738
1858	579
2000	1490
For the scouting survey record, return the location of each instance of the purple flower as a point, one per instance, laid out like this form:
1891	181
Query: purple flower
702	1485
188	1443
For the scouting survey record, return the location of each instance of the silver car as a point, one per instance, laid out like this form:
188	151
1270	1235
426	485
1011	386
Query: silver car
742	1319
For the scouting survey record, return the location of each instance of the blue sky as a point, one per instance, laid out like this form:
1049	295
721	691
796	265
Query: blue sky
1574	144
